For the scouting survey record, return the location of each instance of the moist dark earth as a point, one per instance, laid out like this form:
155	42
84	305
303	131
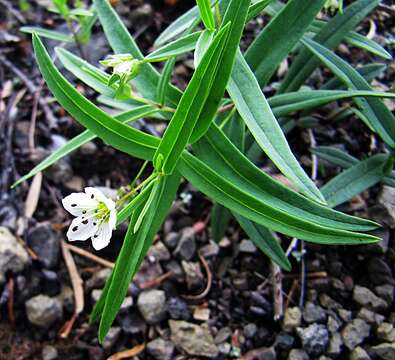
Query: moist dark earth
193	298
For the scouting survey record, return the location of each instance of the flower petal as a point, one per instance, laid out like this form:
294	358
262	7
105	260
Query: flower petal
82	228
78	204
112	221
95	194
102	237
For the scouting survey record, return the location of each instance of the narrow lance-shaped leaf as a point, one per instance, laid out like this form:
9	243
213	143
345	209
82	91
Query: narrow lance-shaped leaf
369	72
179	130
345	160
236	14
284	104
206	14
256	113
122	42
265	241
241	195
279	37
217	152
169	188
49	34
119	135
180	46
330	36
83	138
165	79
355	179
375	111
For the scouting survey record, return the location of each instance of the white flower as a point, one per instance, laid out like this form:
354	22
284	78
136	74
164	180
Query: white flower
96	217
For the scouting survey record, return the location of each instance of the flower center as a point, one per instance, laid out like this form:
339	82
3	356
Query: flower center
102	213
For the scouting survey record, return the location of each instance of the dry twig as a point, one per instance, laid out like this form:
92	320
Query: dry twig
90	256
78	289
128	353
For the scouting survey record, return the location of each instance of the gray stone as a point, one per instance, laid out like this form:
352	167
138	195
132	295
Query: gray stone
345	315
379	272
111	337
159	252
263	353
60	172
13	256
366	298
315	339
386	332
298	354
355	332
49	353
284	341
171	239
152	305
359	354
386	292
334	323
313	313
335	345
161	349
223	335
186	247
370	317
328	303
193	339
193	274
210	250
292	319
224	348
387	200
43	311
250	330
98	279
178	309
385	351
247	246
45	242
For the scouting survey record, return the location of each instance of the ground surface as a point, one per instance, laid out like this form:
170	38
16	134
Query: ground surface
343	306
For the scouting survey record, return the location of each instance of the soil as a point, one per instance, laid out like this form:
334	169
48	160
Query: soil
193	298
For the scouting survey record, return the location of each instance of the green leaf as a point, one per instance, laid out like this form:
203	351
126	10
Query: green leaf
81	12
217	152
235	14
345	160
206	14
285	104
231	196
122	43
83	138
369	72
355	179
49	34
357	40
119	135
330	36
204	41
179	130
256	8
375	111
183	23
134	248
256	113
180	46
265	241
243	196
280	36
165	79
